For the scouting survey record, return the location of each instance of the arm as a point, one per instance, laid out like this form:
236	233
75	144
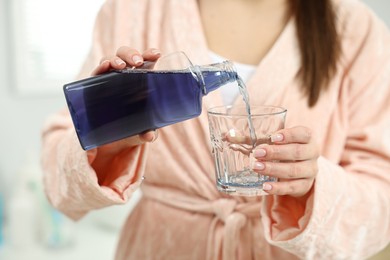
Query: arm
347	216
77	181
71	183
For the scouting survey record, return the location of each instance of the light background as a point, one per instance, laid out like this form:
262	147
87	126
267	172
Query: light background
21	119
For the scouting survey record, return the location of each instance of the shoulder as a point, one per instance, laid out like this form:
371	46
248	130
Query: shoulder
356	20
134	7
365	42
122	6
364	36
139	12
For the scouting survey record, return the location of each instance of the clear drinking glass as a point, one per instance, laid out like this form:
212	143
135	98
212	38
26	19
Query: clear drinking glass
234	140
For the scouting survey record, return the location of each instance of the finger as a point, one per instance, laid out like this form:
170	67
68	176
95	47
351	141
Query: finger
139	139
151	54
298	134
149	136
234	136
294	188
287	170
130	55
117	63
104	66
108	63
287	152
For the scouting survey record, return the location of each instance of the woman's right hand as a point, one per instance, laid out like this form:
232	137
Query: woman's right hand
127	57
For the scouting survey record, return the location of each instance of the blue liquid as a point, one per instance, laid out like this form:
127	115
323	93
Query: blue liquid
117	105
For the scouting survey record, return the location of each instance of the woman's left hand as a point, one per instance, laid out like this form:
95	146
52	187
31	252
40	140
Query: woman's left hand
292	158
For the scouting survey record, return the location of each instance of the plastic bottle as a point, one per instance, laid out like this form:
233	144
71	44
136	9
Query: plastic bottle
124	103
22	216
1	219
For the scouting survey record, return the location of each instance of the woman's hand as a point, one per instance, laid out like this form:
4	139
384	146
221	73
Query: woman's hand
292	157
127	57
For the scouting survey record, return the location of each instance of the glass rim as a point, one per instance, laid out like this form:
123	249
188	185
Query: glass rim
215	111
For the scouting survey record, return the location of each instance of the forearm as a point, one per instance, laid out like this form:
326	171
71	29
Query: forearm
72	184
118	165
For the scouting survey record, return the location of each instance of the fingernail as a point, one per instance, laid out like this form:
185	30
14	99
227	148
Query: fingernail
260	153
104	61
258	166
277	138
119	62
156	52
155	135
267	186
137	59
235	136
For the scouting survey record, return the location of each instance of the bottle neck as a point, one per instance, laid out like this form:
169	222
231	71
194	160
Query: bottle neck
213	76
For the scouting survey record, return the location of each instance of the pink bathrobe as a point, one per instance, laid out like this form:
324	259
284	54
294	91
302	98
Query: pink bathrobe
182	215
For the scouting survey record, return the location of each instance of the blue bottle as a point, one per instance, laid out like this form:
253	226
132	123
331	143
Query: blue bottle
119	104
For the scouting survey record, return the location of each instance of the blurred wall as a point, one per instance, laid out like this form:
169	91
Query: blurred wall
381	8
21	117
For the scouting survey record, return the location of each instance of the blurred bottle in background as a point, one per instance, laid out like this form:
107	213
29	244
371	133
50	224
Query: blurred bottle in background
1	217
22	214
30	219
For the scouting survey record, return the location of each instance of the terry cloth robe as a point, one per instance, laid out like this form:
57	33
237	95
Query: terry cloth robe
181	214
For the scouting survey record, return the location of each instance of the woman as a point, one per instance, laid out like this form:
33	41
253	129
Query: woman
327	62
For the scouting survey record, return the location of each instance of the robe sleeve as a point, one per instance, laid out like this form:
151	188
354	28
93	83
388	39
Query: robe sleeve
347	215
71	184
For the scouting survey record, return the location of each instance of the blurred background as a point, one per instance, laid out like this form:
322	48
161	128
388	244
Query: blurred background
42	46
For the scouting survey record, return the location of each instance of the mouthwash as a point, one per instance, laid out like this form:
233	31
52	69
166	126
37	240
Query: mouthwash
119	104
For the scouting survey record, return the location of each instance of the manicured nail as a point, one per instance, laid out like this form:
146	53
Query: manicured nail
260	153
267	186
156	52
119	62
258	166
155	135
137	59
235	136
277	138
